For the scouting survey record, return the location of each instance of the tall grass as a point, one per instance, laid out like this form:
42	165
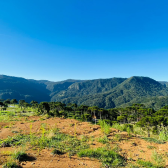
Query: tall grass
163	133
158	159
106	128
124	127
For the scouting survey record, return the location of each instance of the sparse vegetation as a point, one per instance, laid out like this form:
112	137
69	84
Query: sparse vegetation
146	164
103	140
112	133
105	127
158	159
20	156
109	158
11	164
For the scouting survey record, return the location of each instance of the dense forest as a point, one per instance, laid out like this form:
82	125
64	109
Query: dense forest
104	93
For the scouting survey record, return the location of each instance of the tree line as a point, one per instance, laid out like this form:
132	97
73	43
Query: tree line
136	114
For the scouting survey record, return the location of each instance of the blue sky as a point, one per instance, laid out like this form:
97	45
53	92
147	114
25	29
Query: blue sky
84	39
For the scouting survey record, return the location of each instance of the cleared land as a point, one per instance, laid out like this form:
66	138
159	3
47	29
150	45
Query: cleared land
58	142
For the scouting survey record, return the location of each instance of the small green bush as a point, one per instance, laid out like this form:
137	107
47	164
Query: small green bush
56	152
109	158
10	164
103	140
146	164
20	156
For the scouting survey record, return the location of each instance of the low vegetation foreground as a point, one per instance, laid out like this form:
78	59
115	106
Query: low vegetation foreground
30	138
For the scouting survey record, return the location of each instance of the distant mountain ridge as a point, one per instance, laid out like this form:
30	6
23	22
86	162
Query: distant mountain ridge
105	93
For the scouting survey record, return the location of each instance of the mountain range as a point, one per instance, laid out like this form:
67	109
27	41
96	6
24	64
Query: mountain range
104	93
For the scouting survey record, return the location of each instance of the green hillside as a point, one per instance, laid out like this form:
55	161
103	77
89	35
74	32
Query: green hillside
105	93
131	89
28	89
89	87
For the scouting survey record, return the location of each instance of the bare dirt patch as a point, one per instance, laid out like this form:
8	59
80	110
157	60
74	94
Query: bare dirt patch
132	148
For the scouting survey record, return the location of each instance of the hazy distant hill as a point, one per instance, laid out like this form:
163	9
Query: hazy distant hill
20	88
106	93
164	83
28	89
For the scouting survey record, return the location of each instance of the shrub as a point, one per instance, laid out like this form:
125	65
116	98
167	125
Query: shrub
10	164
109	158
146	164
20	156
103	140
105	127
56	152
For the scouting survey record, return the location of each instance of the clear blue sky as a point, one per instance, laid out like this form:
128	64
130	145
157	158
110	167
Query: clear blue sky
84	39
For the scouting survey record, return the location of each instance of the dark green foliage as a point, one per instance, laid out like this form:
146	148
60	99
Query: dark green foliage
121	119
1	104
7	101
130	90
21	103
155	102
20	88
13	101
88	88
44	108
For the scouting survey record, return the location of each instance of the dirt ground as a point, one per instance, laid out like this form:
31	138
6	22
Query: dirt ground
130	147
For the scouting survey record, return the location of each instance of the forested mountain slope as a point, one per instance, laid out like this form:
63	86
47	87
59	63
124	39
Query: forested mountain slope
105	93
28	89
20	88
88	87
129	90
